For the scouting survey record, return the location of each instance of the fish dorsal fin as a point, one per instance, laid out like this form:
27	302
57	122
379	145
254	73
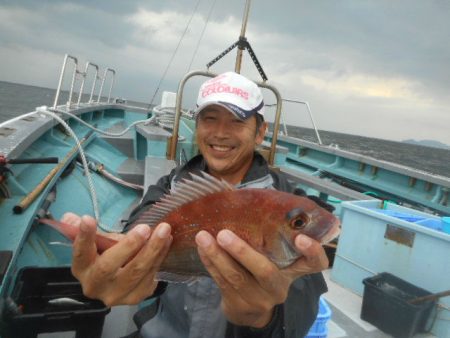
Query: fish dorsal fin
182	192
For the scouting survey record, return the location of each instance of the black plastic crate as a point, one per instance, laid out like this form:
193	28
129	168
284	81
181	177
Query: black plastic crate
34	291
386	305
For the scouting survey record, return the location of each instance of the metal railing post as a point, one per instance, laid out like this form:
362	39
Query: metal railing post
176	124
310	116
276	125
72	85
112	83
61	77
96	77
103	82
282	119
84	74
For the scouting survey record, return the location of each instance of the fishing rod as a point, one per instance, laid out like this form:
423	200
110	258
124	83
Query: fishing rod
5	161
27	200
430	297
4	170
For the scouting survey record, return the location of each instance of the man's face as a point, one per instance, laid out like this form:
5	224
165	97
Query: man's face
226	142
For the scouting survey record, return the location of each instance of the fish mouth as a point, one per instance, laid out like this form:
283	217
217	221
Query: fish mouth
327	233
332	233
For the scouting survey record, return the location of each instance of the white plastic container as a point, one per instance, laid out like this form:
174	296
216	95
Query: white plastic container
372	242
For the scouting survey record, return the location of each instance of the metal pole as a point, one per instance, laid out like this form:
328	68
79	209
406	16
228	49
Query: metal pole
176	124
101	85
103	82
284	125
61	76
112	82
237	67
84	79
276	125
72	85
310	116
282	119
96	77
80	93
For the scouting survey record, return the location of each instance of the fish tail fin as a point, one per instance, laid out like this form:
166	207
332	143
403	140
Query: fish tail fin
68	230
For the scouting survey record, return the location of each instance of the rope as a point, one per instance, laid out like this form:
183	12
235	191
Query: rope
83	159
201	35
90	126
85	166
173	55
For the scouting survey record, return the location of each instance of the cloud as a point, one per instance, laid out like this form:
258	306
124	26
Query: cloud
368	68
363	85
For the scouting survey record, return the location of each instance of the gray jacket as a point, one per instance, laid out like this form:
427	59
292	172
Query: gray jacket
192	310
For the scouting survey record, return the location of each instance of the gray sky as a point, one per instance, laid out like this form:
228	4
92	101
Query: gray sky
374	68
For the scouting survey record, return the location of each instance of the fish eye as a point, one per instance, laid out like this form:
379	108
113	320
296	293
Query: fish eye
297	218
299	222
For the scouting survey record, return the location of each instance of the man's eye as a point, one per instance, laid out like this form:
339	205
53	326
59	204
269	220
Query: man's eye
238	121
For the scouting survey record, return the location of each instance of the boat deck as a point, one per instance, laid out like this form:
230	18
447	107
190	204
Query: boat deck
345	320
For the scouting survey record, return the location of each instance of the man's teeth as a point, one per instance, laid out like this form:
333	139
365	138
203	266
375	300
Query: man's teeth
221	148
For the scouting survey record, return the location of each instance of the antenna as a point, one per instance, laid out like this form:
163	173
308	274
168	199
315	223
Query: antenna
242	37
242	44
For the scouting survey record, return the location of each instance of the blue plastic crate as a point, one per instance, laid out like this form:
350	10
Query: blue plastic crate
431	223
319	328
400	215
446	224
322	334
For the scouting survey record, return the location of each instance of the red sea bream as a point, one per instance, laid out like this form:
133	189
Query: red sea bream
269	220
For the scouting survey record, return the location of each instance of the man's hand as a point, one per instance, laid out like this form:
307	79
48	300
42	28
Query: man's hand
251	285
125	273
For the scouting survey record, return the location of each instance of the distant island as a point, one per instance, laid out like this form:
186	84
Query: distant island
428	143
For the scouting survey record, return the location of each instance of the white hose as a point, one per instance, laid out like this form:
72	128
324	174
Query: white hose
85	167
52	114
123	132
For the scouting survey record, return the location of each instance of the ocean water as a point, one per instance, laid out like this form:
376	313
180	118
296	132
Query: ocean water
16	99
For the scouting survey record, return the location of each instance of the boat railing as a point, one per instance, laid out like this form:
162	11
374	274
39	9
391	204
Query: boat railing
61	78
310	116
174	139
83	74
113	72
86	69
319	140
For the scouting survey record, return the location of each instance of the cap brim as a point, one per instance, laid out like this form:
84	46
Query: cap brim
235	110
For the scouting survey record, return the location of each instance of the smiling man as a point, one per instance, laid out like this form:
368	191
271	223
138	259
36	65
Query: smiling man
229	125
226	142
247	294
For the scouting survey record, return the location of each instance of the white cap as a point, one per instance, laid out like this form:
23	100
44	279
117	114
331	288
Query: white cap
234	92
